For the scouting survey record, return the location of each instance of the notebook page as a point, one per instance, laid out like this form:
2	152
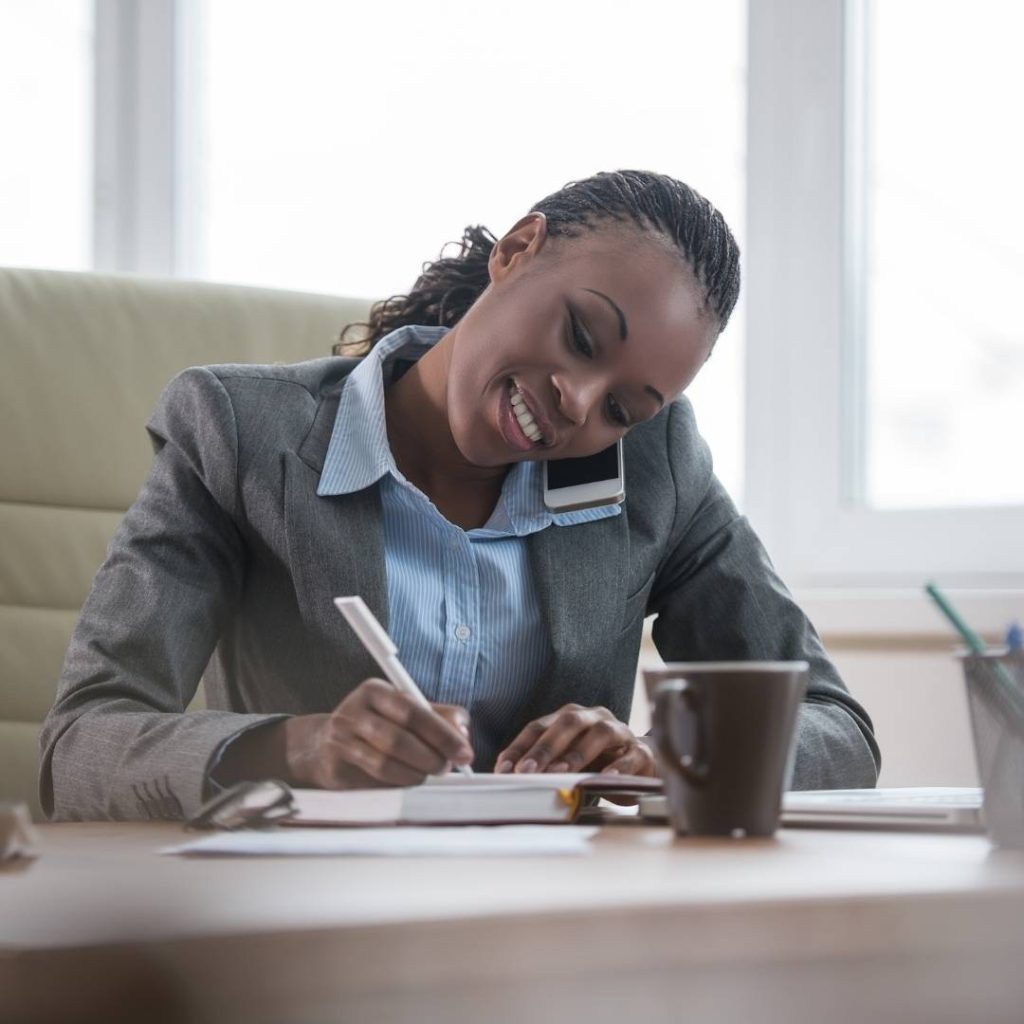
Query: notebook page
366	806
543	780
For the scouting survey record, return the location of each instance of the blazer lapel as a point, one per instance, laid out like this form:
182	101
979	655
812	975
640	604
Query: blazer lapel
336	547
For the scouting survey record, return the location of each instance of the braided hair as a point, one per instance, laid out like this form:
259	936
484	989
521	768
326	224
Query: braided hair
653	202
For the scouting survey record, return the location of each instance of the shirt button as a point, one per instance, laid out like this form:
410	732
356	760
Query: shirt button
463	632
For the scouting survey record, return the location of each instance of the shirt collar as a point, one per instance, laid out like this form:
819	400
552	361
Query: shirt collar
358	454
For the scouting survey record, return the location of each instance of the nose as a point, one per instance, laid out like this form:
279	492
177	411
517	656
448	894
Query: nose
576	397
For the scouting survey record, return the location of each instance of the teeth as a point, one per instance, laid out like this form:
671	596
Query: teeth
526	421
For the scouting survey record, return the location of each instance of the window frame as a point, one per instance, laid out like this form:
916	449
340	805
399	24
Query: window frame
147	139
804	291
805	335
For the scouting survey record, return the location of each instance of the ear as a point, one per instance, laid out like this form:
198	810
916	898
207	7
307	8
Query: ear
524	240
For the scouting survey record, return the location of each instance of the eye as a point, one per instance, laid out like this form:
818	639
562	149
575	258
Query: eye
616	412
579	339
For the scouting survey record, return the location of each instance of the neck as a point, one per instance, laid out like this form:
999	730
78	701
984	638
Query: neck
416	413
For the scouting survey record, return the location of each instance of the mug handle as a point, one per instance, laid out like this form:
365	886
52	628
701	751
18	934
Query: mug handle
671	693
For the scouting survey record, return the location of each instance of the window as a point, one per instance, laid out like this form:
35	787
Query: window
46	69
943	396
311	145
884	361
339	154
867	400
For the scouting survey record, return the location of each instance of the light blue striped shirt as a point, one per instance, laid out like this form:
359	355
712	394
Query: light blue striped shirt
463	607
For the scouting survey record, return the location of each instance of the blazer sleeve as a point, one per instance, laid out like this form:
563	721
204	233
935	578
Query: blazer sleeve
117	742
717	596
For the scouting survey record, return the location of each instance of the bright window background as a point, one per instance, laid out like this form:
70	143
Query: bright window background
945	328
344	144
46	69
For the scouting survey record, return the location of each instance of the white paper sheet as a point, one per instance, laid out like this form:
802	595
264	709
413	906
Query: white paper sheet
403	841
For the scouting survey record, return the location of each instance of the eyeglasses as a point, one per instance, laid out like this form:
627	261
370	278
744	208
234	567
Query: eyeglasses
245	805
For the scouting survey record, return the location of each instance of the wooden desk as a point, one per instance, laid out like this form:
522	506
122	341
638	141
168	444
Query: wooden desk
815	926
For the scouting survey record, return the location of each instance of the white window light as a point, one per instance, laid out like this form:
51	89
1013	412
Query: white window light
807	334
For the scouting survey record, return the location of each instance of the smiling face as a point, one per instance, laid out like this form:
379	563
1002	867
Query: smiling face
597	333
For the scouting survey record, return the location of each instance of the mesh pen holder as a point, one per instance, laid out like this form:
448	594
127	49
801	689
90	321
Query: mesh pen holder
995	696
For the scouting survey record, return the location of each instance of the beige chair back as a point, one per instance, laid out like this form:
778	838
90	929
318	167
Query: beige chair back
84	358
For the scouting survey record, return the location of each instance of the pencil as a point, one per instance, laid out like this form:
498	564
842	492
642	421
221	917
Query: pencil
1006	686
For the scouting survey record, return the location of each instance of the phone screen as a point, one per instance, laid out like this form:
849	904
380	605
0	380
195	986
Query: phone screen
586	470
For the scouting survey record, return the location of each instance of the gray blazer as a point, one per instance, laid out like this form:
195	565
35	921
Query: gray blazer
227	562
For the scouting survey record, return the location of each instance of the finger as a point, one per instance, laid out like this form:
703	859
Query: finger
574	760
424	722
456	715
638	760
605	758
559	737
603	741
459	717
397	742
509	757
381	769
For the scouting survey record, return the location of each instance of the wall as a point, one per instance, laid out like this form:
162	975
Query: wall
915	696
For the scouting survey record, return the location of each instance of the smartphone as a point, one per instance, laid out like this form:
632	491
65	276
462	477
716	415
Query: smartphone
586	482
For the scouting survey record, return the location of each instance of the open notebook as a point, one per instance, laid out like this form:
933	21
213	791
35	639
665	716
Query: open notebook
482	799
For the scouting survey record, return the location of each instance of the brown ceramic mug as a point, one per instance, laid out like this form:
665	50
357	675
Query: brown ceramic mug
723	735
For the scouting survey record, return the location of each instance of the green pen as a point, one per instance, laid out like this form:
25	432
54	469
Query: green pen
1010	690
973	641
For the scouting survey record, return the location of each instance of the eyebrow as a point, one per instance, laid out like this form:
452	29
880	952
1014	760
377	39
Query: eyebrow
623	329
656	393
623	334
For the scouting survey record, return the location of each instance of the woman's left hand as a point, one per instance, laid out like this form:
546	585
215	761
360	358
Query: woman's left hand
576	739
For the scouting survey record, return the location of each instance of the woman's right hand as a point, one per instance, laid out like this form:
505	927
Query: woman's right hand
377	736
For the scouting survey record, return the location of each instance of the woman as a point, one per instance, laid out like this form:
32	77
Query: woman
412	477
